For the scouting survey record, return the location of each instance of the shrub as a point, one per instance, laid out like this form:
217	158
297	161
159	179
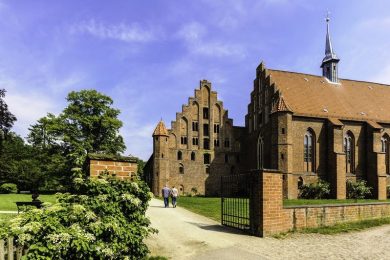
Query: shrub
103	219
358	189
388	191
318	190
8	188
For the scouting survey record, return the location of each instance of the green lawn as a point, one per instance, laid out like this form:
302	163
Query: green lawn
7	201
4	218
208	207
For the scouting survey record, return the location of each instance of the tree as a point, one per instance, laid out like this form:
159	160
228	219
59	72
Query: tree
7	119
89	124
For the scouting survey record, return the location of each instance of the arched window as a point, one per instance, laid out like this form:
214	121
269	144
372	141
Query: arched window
260	155
179	155
349	150
309	151
193	156
385	140
181	168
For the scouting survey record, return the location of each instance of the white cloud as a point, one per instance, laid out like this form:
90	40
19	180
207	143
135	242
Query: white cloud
194	35
122	32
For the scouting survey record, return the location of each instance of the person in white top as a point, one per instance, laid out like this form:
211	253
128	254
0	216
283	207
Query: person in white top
174	195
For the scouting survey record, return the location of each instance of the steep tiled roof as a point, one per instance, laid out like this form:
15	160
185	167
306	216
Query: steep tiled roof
281	105
160	129
311	95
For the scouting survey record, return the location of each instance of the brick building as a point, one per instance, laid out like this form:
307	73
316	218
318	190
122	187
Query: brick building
306	126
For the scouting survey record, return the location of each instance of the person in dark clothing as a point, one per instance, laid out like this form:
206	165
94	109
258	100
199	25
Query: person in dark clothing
165	193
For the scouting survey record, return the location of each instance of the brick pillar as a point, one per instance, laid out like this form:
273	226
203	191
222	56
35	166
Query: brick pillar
336	162
267	215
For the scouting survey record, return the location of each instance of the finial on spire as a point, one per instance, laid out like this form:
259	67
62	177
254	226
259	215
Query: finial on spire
327	19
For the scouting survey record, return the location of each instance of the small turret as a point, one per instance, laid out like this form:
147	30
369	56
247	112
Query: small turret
160	154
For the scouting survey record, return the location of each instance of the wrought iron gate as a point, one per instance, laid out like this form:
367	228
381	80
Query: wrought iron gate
235	201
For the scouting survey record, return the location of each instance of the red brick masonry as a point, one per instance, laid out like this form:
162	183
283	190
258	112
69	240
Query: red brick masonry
122	170
270	217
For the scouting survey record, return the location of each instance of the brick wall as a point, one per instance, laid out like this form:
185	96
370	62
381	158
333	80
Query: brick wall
273	218
123	170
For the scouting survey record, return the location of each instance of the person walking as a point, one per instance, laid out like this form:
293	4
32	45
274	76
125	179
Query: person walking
174	195
165	193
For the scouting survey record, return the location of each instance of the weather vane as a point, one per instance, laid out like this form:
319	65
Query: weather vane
327	16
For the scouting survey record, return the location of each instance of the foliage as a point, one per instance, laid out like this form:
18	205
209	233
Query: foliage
103	219
388	191
87	125
358	189
7	188
318	190
7	119
299	202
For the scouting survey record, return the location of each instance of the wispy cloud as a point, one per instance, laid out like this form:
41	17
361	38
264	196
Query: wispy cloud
194	34
122	32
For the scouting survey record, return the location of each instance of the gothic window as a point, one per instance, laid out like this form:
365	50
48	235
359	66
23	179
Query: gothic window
179	155
181	169
195	141
260	156
349	145
206	158
193	156
309	151
216	128
227	142
205	113
184	140
206	143
195	126
385	140
206	130
216	142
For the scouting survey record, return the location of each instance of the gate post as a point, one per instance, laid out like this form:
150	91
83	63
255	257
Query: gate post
255	203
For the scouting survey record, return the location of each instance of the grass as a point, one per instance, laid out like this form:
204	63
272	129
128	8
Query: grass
303	202
4	218
205	206
7	201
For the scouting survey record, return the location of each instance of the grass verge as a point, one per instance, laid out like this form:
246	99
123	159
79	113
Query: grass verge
4	218
7	201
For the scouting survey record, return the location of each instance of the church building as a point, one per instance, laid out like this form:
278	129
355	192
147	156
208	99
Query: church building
308	127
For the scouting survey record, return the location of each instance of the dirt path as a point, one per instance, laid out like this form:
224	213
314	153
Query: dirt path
185	235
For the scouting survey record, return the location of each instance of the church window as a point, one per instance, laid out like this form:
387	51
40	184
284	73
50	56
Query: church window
184	140
206	130
179	155
283	131
216	142
195	141
205	113
195	126
216	128
207	169
193	156
386	149
206	158
309	151
349	145
181	169
227	142
206	143
162	155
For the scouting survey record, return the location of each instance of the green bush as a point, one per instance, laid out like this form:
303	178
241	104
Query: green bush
8	188
318	190
103	219
358	189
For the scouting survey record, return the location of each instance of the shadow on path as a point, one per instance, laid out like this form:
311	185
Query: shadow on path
219	228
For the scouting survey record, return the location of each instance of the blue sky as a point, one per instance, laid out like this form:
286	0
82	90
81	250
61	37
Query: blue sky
150	55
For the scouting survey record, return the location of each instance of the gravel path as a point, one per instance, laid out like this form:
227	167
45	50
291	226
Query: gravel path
186	235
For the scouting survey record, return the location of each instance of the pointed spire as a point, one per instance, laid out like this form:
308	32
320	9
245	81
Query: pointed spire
330	61
160	129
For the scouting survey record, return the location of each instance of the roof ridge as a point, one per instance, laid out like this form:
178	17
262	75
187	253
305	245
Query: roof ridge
319	76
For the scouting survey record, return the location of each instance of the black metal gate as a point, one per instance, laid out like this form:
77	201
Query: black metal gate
235	201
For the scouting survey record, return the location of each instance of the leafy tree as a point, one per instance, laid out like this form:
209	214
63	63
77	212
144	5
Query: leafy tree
89	124
7	119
